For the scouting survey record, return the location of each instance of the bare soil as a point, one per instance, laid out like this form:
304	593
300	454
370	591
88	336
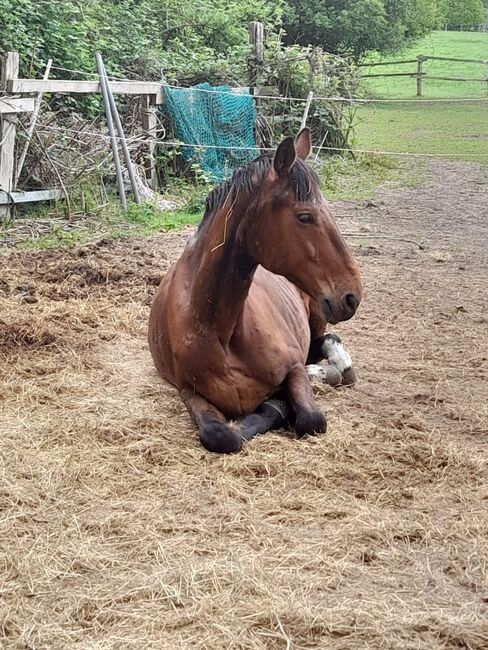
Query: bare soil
119	531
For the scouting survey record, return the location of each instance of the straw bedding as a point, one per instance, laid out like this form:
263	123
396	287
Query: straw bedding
119	531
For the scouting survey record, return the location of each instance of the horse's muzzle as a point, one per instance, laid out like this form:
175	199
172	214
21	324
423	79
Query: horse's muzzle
336	311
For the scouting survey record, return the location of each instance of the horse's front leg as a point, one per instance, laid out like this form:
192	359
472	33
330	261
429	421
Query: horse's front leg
330	347
309	419
215	434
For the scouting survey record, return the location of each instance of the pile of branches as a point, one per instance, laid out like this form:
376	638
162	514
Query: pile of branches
292	73
70	151
70	146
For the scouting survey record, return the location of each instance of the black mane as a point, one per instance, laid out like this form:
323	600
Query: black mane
304	183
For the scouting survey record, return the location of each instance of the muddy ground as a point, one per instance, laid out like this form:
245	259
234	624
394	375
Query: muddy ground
119	531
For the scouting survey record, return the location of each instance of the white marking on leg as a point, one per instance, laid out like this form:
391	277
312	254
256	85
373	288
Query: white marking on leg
336	354
325	374
314	371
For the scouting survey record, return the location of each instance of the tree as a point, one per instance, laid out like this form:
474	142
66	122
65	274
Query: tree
462	12
358	26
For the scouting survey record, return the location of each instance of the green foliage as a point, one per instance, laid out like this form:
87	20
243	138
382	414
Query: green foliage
462	12
295	71
358	26
202	38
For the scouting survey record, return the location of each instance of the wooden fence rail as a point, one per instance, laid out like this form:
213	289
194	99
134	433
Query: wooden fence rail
420	75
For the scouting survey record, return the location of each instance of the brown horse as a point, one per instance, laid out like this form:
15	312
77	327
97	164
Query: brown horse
233	320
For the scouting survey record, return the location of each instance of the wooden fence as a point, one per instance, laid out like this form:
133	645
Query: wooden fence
483	27
420	75
12	103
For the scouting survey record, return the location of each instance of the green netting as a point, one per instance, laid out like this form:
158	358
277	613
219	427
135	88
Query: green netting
218	116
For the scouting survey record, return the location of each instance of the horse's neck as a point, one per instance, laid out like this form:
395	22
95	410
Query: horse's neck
223	273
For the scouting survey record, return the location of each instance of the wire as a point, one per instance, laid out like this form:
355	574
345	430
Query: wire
137	140
350	100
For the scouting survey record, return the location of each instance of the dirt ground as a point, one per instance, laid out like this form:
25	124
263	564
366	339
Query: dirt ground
119	531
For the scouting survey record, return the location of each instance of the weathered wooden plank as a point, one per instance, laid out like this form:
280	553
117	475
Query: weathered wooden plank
32	126
450	58
149	120
420	74
256	60
85	87
8	127
30	197
16	105
425	57
390	74
373	65
456	78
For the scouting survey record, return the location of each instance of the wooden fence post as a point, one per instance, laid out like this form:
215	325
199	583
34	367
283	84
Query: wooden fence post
149	120
256	60
8	127
420	61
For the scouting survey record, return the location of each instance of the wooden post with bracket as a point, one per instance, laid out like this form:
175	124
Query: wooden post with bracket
9	110
149	121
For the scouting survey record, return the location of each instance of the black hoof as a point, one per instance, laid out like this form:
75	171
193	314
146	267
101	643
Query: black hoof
310	423
217	437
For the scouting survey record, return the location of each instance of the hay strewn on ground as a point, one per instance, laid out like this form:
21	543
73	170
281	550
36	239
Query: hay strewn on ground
119	531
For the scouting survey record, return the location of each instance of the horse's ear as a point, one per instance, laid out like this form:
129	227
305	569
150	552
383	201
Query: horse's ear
303	143
284	157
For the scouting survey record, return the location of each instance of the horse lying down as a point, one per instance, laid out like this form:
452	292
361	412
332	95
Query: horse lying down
237	319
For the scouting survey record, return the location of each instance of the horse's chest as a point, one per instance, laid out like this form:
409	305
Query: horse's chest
236	381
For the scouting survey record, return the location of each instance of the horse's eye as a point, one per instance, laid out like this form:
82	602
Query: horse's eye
305	217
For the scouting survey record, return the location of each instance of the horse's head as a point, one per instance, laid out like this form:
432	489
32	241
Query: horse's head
295	235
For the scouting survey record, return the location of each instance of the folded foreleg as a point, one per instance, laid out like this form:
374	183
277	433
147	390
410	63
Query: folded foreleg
330	347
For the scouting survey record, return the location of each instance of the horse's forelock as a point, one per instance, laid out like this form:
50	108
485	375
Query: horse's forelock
304	183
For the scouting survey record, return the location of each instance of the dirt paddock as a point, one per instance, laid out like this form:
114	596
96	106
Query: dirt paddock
119	531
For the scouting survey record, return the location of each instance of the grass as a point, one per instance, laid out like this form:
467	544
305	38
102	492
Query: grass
138	221
340	178
458	130
465	45
343	178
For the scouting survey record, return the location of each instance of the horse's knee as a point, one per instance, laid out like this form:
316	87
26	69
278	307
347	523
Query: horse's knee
218	437
310	422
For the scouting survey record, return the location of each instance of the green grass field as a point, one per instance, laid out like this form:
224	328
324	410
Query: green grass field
458	130
466	45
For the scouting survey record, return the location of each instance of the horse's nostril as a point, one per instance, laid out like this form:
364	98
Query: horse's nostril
351	302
